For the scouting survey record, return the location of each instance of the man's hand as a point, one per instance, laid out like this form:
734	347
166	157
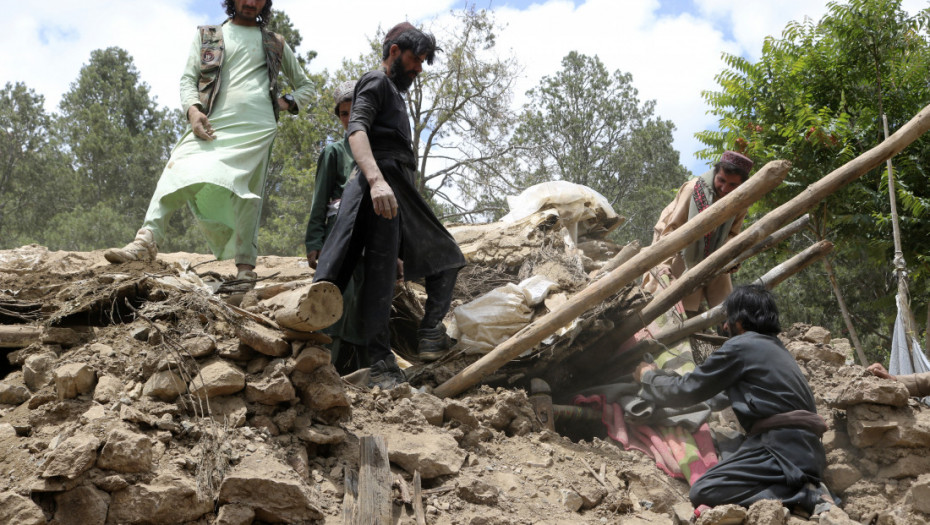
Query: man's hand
383	199
283	105
400	271
200	125
641	369
876	369
312	257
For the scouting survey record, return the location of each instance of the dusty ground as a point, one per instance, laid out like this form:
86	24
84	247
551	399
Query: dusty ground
90	435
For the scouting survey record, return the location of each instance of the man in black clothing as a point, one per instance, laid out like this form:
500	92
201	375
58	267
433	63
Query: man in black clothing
782	457
383	214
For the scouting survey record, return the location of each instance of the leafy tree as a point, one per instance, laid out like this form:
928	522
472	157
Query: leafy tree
815	98
461	113
118	140
33	174
588	126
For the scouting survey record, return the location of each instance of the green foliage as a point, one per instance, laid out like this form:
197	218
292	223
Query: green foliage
31	167
588	126
815	98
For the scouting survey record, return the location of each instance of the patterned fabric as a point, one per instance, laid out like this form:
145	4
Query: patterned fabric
702	196
343	93
737	159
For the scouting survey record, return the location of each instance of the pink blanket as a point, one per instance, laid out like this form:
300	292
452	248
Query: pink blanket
679	453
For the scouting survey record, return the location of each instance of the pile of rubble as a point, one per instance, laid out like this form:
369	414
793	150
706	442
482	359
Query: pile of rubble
132	396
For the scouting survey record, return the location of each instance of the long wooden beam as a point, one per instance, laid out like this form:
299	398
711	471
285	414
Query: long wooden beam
802	203
769	177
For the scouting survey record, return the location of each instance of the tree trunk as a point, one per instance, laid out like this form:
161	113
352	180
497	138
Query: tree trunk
307	309
853	335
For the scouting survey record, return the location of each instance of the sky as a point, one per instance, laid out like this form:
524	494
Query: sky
673	48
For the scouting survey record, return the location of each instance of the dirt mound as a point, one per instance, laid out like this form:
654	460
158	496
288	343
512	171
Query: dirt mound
143	405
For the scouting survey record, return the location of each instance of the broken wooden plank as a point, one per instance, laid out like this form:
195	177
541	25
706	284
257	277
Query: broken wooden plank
350	498
418	512
374	482
764	181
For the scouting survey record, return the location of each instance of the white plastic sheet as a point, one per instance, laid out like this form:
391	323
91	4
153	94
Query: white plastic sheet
492	318
575	203
902	360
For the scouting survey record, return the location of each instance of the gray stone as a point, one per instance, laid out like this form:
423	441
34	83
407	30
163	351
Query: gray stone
432	452
72	457
723	515
869	389
271	388
877	425
841	476
84	505
74	379
13	394
316	433
7	431
37	370
311	358
166	385
169	498
805	351
19	510
107	390
920	494
218	378
126	451
479	493
199	345
229	409
234	515
321	389
271	488
817	335
570	499
430	406
457	411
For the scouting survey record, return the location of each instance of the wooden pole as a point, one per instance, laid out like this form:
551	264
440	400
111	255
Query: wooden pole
853	335
764	181
717	314
802	203
374	482
768	242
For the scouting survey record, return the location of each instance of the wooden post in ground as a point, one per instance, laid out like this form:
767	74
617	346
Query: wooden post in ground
350	498
419	513
374	482
764	181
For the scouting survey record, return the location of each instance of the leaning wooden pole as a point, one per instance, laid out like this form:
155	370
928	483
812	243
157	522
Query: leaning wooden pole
807	199
761	183
717	314
768	242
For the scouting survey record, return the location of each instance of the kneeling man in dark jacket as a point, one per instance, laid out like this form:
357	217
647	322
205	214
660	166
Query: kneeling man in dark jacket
782	457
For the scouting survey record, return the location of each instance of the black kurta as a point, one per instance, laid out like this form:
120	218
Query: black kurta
415	235
761	379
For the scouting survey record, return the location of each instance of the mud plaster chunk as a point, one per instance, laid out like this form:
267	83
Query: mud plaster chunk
271	488
72	457
74	379
218	378
431	452
20	510
126	451
84	505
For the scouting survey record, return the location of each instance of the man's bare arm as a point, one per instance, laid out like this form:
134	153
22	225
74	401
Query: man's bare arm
382	196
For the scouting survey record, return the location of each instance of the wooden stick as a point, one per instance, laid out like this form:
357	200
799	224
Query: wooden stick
741	198
600	479
768	242
717	314
418	512
805	201
374	482
403	488
350	498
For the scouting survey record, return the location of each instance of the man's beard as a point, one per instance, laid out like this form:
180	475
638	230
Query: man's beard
400	76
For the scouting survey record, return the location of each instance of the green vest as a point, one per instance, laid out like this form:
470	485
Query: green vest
211	64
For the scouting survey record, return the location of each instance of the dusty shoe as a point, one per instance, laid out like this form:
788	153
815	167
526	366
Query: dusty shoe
244	281
386	374
433	343
142	248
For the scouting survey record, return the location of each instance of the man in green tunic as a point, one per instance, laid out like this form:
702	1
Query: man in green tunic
230	94
332	172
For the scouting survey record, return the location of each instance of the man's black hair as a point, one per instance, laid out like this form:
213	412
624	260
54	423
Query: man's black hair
729	167
754	308
263	17
411	38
